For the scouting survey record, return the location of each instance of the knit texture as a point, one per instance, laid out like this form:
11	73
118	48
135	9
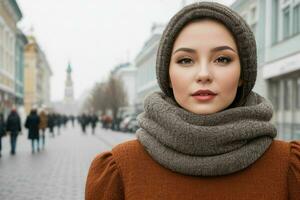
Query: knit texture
241	32
205	145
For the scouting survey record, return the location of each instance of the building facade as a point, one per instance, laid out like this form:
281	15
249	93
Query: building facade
21	41
37	75
10	14
276	24
127	74
145	63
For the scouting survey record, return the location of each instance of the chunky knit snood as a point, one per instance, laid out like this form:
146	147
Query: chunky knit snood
205	145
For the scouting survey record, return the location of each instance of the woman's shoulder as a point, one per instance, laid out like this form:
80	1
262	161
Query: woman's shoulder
128	146
129	151
288	150
291	148
104	180
110	160
279	148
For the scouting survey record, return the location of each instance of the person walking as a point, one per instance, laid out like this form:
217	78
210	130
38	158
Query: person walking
58	122
206	135
43	125
72	119
83	122
2	130
93	121
32	124
51	124
13	127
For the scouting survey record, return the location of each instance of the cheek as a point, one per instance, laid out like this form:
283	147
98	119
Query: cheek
179	79
229	80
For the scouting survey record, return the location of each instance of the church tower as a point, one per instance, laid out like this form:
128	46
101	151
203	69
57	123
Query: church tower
69	92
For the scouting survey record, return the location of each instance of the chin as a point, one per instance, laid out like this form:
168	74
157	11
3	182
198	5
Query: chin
203	111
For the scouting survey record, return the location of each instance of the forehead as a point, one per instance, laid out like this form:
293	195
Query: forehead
206	33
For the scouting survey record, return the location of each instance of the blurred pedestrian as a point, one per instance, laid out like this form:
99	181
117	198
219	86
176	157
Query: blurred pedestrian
51	124
32	124
94	120
58	122
13	127
2	130
72	119
43	125
83	122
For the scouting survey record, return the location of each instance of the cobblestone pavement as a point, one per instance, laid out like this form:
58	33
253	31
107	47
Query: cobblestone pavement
57	172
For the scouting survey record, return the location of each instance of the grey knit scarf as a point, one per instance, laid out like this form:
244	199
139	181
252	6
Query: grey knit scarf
205	145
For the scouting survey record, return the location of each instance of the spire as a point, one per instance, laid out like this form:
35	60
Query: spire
69	93
69	70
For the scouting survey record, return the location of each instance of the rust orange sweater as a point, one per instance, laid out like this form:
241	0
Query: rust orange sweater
128	172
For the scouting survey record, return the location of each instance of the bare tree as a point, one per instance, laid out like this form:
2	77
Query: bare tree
107	95
117	95
99	100
87	104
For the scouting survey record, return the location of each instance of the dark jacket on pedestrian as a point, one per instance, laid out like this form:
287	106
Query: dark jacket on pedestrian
2	126
57	120
94	120
32	124
13	123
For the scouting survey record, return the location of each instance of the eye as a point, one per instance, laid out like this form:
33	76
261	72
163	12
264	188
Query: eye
185	61
223	60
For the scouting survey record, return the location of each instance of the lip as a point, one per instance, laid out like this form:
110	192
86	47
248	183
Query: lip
202	92
204	95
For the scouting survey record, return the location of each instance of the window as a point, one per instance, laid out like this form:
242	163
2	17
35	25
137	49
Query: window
298	93
286	22
296	20
287	94
1	46
275	8
274	91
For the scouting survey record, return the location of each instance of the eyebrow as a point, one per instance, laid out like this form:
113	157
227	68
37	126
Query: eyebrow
220	48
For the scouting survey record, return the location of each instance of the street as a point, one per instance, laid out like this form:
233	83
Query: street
57	172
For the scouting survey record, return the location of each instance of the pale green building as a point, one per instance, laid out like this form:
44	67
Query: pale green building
276	24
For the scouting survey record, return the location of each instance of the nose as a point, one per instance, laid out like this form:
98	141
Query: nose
203	73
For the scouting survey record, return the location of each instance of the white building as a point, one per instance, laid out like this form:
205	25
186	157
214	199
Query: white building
145	63
10	15
127	73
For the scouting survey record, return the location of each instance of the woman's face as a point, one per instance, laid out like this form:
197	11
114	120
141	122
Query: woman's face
204	57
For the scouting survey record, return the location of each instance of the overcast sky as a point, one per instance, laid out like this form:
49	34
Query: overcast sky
95	35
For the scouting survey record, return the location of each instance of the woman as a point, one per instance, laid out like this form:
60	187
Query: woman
43	125
32	124
206	135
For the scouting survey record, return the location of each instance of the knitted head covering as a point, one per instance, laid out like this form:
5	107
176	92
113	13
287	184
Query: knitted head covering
241	32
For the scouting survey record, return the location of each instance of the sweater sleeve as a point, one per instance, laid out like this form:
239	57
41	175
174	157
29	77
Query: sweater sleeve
294	171
104	181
